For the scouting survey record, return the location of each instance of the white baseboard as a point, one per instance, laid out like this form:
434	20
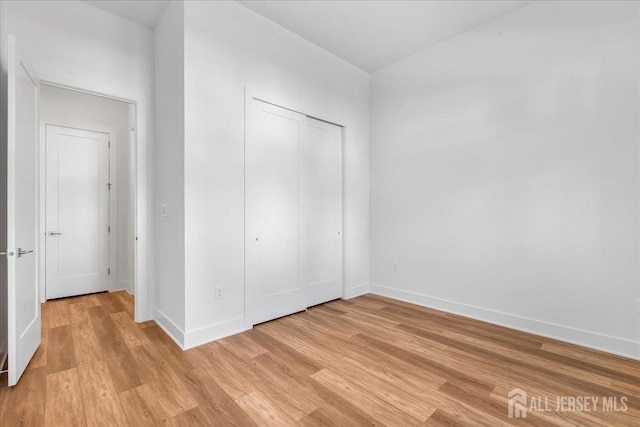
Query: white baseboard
123	285
357	291
150	314
191	339
596	341
213	332
174	331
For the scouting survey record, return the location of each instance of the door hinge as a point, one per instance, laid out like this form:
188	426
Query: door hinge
108	229
109	186
108	271
109	144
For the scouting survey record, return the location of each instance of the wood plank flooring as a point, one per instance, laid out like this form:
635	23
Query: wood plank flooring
366	361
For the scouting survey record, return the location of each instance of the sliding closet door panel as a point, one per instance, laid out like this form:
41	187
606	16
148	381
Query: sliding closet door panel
321	212
273	287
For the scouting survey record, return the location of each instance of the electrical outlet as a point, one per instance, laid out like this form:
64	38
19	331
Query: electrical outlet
396	267
219	292
164	210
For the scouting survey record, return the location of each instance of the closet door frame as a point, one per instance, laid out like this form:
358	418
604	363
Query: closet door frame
249	96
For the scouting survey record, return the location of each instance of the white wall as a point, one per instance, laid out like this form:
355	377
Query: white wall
170	253
78	45
65	107
228	47
505	177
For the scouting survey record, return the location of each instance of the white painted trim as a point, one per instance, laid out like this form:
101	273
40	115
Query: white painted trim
113	208
88	92
197	337
151	313
214	332
593	340
131	220
247	99
41	228
123	285
174	331
343	217
356	291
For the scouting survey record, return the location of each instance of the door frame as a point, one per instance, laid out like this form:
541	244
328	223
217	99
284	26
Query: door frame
113	205
249	95
137	186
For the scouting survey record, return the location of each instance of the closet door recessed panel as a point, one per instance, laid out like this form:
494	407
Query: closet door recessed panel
321	211
272	281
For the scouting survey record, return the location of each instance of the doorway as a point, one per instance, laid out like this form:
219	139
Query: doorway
87	198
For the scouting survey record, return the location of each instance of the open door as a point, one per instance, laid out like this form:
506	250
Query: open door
23	303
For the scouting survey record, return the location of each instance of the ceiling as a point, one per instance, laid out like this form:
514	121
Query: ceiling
368	34
145	12
374	34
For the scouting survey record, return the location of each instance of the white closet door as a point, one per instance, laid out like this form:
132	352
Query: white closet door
273	288
321	212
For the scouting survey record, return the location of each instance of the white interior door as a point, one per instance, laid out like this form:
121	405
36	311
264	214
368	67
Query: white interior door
77	211
272	284
321	212
23	302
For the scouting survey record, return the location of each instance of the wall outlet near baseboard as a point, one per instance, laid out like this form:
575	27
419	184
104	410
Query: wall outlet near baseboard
396	267
219	292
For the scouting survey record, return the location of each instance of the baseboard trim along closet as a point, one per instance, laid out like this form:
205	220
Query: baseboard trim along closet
207	334
213	332
357	291
191	339
593	340
174	331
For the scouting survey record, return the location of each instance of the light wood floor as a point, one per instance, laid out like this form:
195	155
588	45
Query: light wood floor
367	361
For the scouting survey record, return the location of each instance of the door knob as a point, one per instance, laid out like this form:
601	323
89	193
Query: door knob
23	252
54	233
